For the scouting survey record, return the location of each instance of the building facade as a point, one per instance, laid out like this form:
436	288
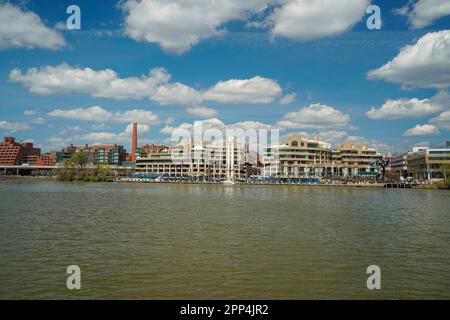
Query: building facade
299	157
203	161
304	157
148	149
399	165
355	159
428	163
13	153
111	155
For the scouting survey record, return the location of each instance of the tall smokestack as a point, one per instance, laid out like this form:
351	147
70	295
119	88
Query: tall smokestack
134	143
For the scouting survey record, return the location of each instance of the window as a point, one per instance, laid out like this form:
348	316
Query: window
294	143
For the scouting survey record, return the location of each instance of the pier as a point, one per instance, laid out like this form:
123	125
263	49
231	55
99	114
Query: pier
399	185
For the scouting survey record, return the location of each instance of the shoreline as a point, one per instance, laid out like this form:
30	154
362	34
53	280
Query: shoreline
344	185
351	185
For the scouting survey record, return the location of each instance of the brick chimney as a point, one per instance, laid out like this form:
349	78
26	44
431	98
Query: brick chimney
134	143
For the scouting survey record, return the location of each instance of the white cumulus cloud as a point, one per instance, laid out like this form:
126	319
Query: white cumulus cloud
306	20
98	114
155	86
425	64
202	112
442	121
103	83
315	116
410	108
257	90
422	13
215	123
177	25
289	98
422	130
24	29
177	94
13	126
111	137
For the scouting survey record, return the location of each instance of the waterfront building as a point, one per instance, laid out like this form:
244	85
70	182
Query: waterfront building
148	149
299	157
210	161
427	163
16	153
305	157
355	159
112	155
46	160
399	165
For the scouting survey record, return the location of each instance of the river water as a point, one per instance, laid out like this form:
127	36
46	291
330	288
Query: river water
159	241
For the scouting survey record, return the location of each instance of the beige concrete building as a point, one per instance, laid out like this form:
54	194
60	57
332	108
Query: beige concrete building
355	159
428	163
202	161
305	157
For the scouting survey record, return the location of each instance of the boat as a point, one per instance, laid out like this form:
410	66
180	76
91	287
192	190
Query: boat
228	182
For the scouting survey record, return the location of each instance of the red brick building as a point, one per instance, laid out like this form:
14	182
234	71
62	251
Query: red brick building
10	152
13	153
47	160
148	149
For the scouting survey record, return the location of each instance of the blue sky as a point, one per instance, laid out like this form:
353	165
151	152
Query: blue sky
328	74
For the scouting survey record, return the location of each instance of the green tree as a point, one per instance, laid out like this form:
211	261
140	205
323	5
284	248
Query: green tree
79	159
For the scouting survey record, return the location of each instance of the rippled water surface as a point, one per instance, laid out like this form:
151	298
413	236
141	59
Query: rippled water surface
157	241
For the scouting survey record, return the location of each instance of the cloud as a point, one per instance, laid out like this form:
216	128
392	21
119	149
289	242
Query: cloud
246	125
104	83
110	137
289	98
422	130
410	108
98	114
442	121
422	13
13	126
425	64
30	112
177	94
177	25
202	112
306	20
215	123
331	136
54	143
257	90
315	116
153	20
71	129
21	29
39	120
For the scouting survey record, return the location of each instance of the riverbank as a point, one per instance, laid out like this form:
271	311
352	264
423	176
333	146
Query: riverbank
371	185
435	186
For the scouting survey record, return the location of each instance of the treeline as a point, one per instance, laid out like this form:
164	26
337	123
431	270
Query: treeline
76	169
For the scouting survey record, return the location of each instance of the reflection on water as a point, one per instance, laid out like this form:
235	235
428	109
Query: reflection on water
201	241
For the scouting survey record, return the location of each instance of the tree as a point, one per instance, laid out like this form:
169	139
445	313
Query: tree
381	163
445	170
80	159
